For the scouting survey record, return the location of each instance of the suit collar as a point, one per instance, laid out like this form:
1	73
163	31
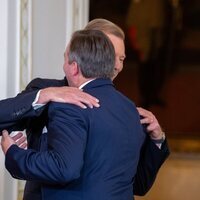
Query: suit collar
84	84
94	83
98	83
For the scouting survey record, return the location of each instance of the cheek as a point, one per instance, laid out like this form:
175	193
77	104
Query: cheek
118	65
65	67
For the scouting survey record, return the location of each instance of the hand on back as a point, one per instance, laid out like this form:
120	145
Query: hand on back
68	95
153	127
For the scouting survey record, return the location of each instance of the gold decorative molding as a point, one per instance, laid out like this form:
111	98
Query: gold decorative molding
25	42
25	51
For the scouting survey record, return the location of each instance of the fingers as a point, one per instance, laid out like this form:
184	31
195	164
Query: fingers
144	113
17	136
20	140
147	116
153	126
23	146
6	141
147	120
72	95
85	100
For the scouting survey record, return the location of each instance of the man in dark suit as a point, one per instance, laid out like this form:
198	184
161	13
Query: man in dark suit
89	153
14	117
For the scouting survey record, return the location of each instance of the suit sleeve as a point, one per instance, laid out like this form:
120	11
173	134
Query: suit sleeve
16	110
63	160
150	161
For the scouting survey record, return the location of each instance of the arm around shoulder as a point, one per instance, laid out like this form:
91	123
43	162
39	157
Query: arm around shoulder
16	109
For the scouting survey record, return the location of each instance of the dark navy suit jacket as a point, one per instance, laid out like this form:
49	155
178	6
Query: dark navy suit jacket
149	162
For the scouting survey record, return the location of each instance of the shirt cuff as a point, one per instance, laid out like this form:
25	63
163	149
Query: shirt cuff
159	142
36	105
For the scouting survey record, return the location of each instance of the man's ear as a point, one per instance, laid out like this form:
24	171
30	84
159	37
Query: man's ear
74	68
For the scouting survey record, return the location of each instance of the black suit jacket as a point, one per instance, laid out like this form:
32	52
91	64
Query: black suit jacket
17	113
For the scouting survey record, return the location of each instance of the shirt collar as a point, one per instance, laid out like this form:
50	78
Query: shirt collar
84	84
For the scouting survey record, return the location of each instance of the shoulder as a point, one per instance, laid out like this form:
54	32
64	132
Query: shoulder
126	99
64	108
40	83
65	112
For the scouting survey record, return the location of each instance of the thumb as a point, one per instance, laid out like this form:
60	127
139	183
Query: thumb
5	133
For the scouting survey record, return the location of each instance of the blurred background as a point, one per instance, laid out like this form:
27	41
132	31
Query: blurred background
178	23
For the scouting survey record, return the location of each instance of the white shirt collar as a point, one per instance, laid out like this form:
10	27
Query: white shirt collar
84	84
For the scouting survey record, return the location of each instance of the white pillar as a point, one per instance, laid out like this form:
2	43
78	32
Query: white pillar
13	48
77	16
3	47
9	86
48	38
3	74
53	22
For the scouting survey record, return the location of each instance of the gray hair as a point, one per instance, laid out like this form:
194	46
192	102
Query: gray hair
94	53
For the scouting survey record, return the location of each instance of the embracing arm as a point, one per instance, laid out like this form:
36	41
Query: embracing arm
63	160
152	154
15	111
52	90
151	159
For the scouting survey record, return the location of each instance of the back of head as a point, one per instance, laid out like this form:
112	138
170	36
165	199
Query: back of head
106	26
93	52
